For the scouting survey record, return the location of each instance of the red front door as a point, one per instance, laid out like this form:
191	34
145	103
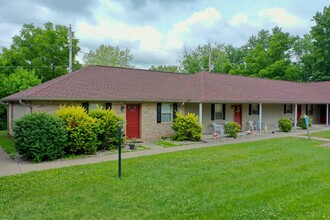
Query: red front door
298	112
238	114
132	121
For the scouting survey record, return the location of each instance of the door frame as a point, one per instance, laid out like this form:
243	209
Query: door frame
238	111
139	119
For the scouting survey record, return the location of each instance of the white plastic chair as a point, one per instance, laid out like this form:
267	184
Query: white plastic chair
219	129
252	125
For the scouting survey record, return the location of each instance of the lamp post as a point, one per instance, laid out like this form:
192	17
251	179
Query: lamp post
119	149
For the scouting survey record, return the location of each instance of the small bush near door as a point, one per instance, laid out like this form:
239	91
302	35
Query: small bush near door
40	137
107	121
285	124
231	129
186	127
82	130
302	122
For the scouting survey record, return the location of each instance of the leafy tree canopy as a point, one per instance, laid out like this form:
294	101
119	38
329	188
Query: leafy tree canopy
319	57
46	50
165	68
109	56
196	59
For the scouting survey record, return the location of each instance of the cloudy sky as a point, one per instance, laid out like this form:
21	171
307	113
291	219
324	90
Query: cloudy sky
157	30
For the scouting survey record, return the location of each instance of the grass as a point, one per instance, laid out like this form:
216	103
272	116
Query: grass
287	178
322	134
7	144
167	144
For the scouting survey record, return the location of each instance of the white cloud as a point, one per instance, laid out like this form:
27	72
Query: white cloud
181	30
280	17
238	19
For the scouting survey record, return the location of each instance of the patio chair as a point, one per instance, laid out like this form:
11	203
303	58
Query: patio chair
219	129
252	125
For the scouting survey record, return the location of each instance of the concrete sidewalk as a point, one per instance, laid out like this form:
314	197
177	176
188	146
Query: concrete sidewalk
10	167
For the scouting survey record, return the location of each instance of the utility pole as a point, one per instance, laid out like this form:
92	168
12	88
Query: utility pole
210	59
70	49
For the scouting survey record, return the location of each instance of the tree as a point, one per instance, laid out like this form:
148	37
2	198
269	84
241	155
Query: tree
319	57
109	56
270	55
44	50
18	81
303	49
169	68
196	59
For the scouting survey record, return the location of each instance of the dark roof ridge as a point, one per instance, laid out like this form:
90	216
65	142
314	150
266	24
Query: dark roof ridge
139	69
253	77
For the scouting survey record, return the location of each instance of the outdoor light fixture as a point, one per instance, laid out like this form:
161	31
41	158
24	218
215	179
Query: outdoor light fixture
122	108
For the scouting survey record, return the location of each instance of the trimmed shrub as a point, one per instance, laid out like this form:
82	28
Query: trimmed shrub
302	122
108	128
186	127
40	137
231	129
82	130
285	124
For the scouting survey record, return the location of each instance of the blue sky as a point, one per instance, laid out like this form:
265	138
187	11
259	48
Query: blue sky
156	31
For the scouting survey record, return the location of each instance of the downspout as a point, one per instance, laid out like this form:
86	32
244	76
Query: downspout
28	107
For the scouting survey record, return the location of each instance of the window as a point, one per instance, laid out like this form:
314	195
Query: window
166	115
254	109
85	106
287	109
166	112
108	105
218	111
309	109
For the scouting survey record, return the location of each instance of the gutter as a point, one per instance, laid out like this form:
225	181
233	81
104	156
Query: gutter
22	102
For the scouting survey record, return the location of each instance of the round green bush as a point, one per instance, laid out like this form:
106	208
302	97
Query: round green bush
40	137
285	124
231	129
302	122
108	128
82	130
186	127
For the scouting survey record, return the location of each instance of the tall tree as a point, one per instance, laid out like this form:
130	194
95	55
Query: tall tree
18	81
109	56
46	50
269	55
319	57
197	58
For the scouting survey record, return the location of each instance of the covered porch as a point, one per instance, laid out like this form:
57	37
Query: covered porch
265	116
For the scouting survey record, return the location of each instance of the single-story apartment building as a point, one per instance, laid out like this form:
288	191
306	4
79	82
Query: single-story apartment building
148	100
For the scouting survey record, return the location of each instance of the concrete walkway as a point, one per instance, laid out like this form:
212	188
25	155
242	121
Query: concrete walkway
10	167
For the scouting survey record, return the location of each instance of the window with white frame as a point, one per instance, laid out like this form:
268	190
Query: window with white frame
166	112
254	109
287	109
218	111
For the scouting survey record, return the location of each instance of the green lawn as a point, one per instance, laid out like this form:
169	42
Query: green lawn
167	144
322	134
286	178
7	144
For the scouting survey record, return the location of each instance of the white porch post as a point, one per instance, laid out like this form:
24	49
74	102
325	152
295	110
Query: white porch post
327	117
260	116
295	116
200	113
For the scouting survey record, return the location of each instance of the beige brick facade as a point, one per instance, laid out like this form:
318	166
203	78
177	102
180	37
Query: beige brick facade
149	128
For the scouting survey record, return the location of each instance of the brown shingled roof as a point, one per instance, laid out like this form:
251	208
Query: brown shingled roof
123	84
